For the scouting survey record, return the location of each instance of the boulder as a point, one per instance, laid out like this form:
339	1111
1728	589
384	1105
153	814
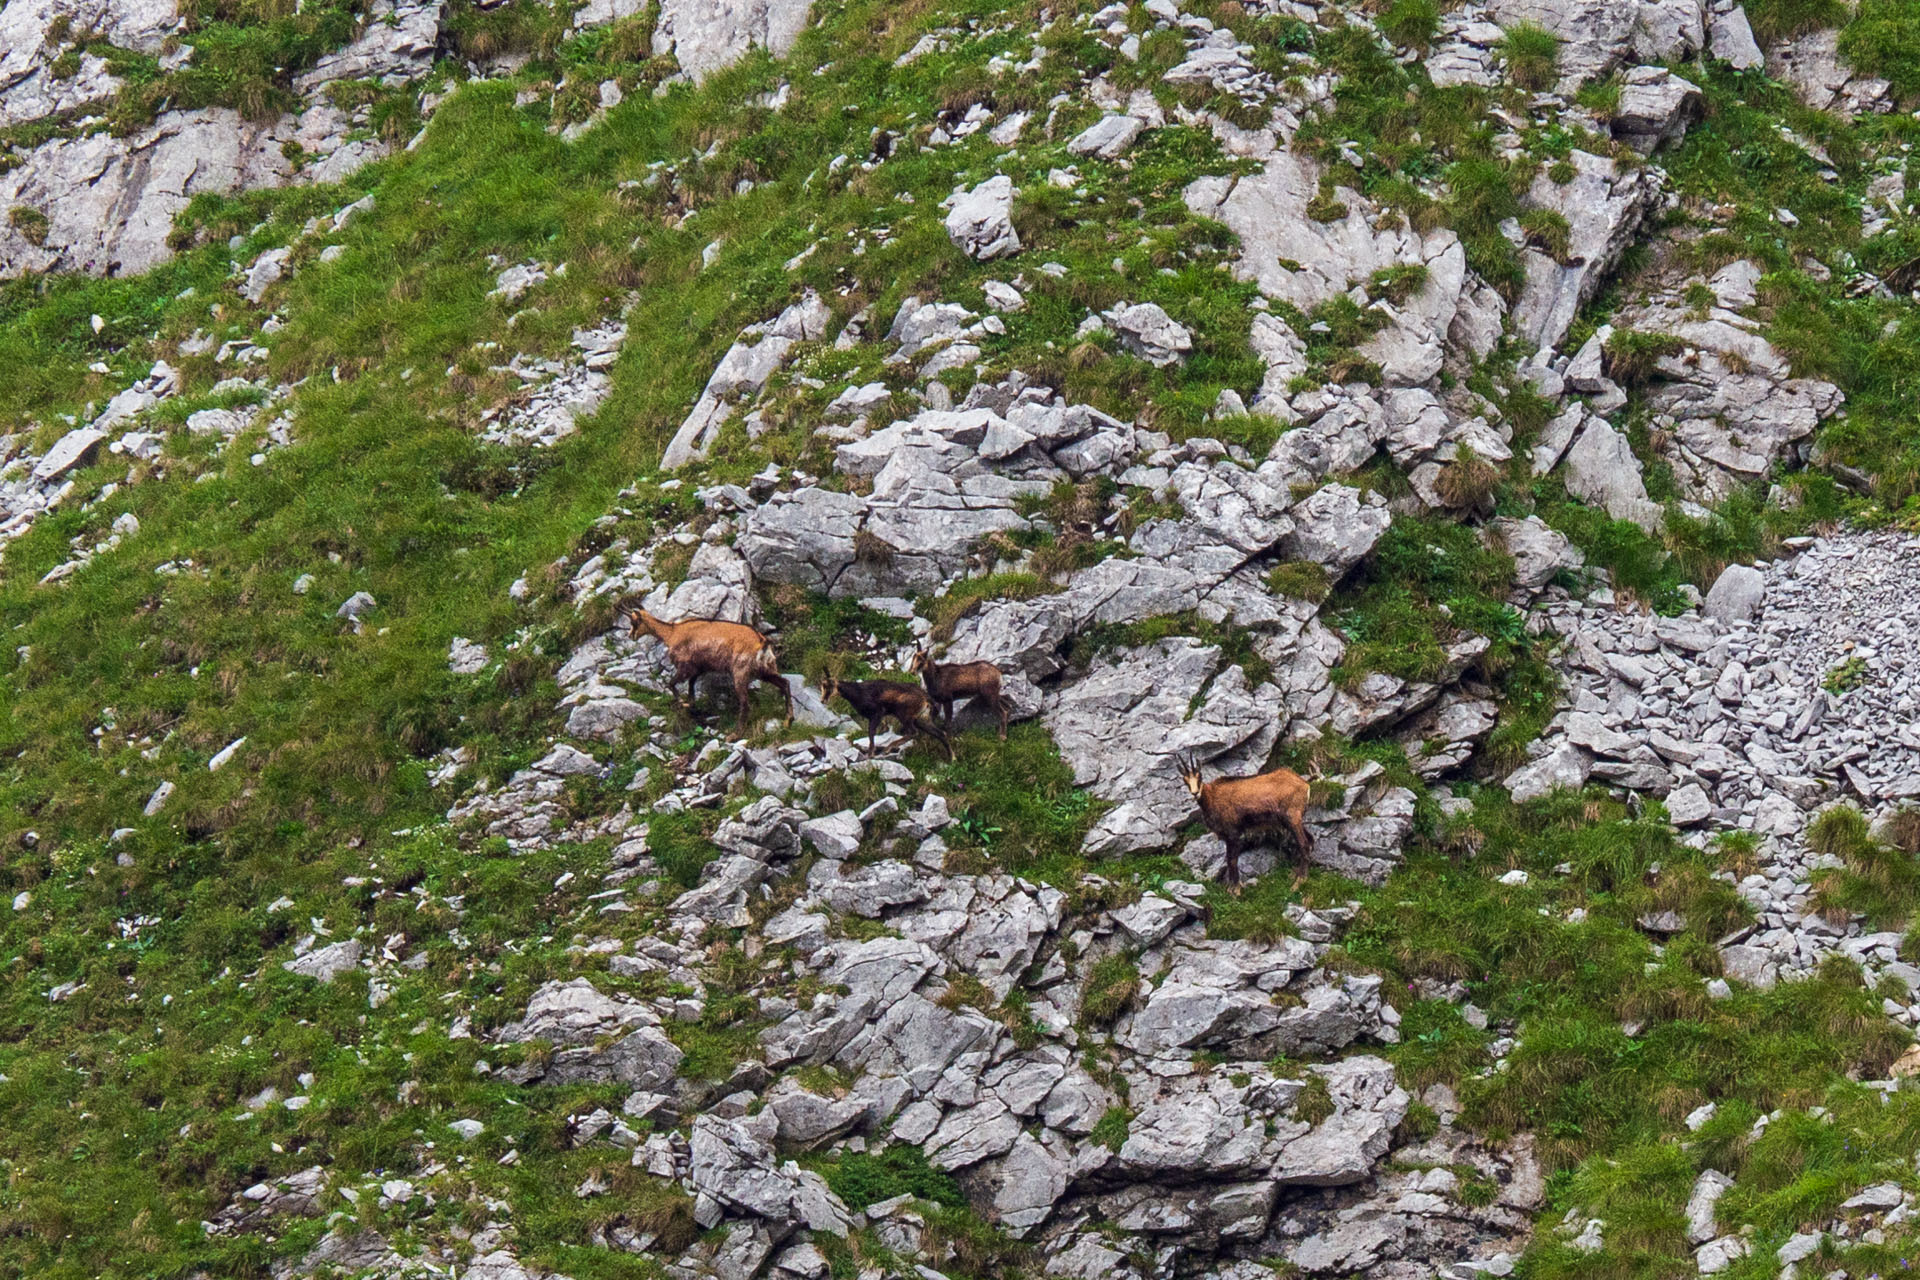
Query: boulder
1601	469
705	36
1538	552
981	220
1566	766
1655	108
1108	138
1336	527
1603	207
1150	333
1736	594
324	964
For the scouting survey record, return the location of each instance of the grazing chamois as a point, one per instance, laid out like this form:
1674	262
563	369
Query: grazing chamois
1234	808
700	646
947	681
875	700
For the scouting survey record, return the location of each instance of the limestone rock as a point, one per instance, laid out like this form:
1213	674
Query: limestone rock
1603	208
110	202
981	220
708	35
742	372
1600	468
1736	594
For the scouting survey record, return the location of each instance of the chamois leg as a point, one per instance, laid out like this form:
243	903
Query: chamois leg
742	692
1306	849
934	727
786	691
1000	705
1231	874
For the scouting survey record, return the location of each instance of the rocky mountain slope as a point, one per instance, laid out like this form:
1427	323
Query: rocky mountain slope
1499	413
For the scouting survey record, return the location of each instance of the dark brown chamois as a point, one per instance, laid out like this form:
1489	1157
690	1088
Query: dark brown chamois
949	681
701	646
875	700
1235	808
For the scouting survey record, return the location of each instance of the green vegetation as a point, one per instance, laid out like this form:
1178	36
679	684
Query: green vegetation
1530	52
1883	39
1846	675
863	1179
1616	1043
1879	880
1111	988
128	1096
1429	583
1111	1130
1410	22
1782	19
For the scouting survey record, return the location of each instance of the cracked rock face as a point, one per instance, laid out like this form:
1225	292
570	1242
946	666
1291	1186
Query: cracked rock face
1603	209
705	36
1295	258
1121	727
110	202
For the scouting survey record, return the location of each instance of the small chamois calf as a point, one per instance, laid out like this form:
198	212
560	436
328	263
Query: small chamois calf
875	700
701	646
947	682
1235	808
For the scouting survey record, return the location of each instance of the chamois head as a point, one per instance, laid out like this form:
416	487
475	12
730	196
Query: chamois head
829	686
920	661
1189	772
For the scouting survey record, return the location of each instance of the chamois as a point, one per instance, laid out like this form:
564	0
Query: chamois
875	700
1234	808
699	646
945	682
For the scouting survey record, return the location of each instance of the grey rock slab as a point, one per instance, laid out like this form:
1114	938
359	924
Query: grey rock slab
397	44
1108	138
1600	468
67	453
324	964
1736	594
980	222
1027	1183
1604	208
1566	766
968	1136
110	202
1120	727
705	36
760	351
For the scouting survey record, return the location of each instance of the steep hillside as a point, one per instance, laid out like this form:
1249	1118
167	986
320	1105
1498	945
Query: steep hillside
1500	414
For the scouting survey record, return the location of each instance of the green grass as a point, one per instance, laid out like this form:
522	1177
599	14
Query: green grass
1883	39
1782	19
121	1101
1530	52
1410	22
1428	583
863	1179
1585	1087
